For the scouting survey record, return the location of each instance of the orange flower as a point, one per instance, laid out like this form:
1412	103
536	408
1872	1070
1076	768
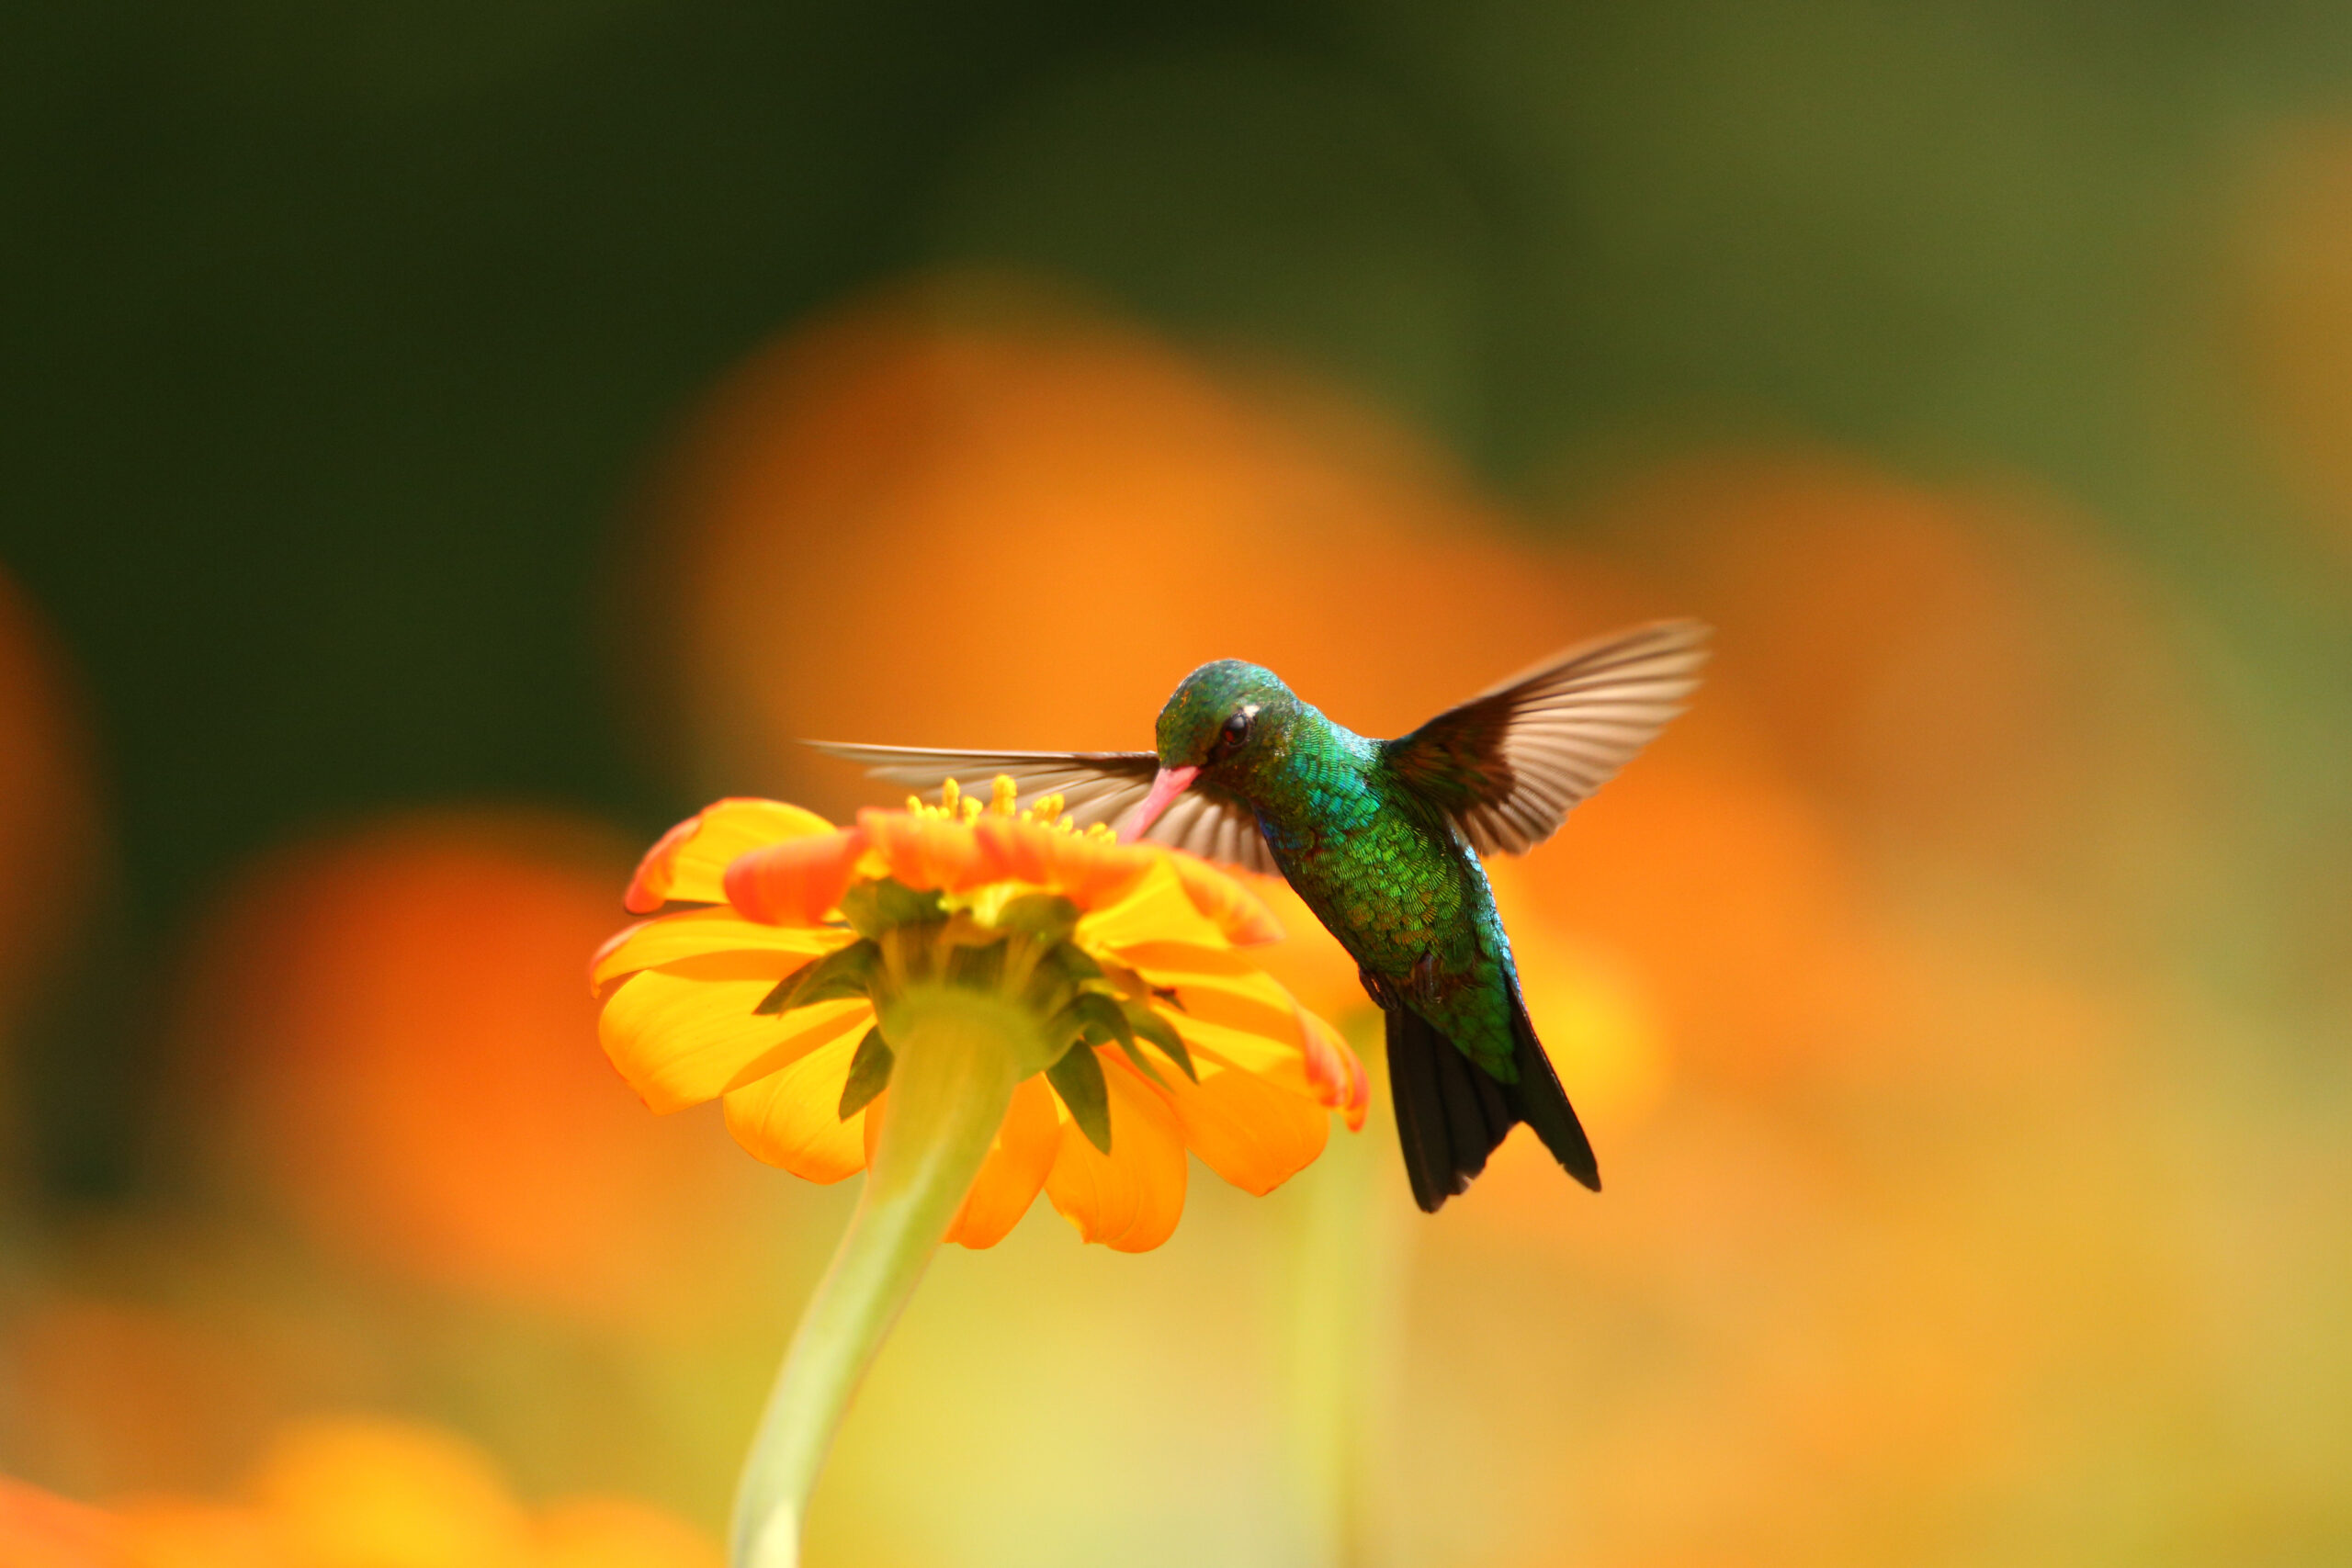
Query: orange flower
39	1529
351	1494
770	981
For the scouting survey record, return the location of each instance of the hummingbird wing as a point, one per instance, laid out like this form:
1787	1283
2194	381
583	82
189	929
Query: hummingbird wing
1095	787
1507	764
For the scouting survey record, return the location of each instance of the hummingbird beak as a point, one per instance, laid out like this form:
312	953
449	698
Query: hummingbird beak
1171	783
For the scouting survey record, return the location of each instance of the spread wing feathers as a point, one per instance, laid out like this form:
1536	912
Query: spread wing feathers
1214	826
1095	787
1507	764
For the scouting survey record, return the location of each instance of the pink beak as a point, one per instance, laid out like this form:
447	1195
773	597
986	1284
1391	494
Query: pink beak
1171	783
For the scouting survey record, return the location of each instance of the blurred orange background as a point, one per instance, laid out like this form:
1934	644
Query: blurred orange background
1957	994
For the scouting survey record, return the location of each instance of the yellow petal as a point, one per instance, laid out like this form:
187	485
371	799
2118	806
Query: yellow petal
792	1117
685	1032
1014	1171
691	933
1253	1133
1240	914
1315	1060
1281	1062
690	860
1221	989
1217	983
1130	1199
1158	910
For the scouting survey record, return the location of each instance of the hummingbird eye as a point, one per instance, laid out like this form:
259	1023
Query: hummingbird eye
1236	730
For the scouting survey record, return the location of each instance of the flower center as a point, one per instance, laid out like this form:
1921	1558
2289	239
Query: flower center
957	805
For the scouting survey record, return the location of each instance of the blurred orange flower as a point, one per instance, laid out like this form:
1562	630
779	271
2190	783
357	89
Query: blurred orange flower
976	444
39	1531
759	983
351	1494
383	1028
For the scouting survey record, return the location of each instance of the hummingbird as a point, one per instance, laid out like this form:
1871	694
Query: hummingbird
1382	841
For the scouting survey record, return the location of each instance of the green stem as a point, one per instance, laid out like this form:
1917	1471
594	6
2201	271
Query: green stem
958	1055
1347	1299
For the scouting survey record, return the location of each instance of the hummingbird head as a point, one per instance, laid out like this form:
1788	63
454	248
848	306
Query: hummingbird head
1225	721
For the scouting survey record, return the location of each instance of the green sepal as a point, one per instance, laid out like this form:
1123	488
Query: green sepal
976	968
1077	1078
1047	917
1161	1033
875	907
846	973
869	1073
1060	969
1100	1021
1067	961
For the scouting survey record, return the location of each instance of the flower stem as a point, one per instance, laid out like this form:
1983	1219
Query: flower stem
1346	1289
958	1055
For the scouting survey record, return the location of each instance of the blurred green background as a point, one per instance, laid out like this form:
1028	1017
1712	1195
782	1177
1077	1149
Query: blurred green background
352	358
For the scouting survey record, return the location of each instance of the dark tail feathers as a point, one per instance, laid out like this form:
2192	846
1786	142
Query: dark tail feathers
1451	1115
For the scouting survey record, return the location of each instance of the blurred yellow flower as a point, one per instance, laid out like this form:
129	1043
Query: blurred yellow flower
779	941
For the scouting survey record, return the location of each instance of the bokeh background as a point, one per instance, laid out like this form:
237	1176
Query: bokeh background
444	444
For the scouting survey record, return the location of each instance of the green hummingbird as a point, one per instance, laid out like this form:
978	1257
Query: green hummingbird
1382	840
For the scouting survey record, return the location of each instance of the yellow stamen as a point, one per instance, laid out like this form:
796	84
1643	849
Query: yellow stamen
1002	794
951	799
1047	811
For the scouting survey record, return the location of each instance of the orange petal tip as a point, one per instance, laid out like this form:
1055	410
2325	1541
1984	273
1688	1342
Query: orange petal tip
1089	870
1334	1069
796	882
930	851
649	888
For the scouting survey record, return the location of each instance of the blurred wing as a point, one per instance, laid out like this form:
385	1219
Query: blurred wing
1095	787
1208	822
1508	763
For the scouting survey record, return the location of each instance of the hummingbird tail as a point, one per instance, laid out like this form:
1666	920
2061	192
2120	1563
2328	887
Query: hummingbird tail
1538	1099
1450	1114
